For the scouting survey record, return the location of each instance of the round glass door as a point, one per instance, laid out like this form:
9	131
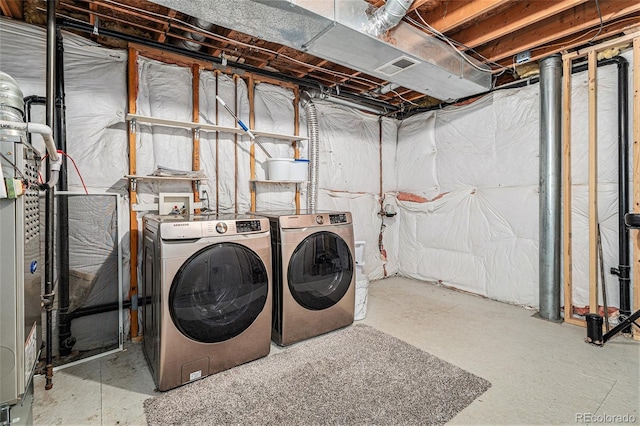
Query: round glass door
218	292
320	270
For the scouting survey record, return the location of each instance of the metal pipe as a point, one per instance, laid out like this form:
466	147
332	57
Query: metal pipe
550	207
65	340
50	196
304	83
624	258
314	147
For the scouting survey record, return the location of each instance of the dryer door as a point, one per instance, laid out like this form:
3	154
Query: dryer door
218	292
320	270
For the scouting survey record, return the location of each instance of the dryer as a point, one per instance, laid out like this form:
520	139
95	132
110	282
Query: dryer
313	273
207	289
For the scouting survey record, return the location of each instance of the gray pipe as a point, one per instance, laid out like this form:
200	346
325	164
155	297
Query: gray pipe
314	146
550	207
387	17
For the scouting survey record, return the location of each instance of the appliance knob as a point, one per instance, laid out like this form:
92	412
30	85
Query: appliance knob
319	220
221	227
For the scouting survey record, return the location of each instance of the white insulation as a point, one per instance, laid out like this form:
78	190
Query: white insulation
463	180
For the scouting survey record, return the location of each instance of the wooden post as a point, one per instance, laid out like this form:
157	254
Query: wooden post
252	151
235	142
566	179
593	184
217	74
296	132
132	89
635	233
195	90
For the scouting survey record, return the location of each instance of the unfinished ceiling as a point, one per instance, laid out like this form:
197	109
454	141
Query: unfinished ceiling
498	33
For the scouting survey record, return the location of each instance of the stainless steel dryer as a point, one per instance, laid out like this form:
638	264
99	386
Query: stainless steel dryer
207	286
313	273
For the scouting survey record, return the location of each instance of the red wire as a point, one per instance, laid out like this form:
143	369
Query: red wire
74	165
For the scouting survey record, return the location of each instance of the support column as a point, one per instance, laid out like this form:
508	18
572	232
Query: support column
550	208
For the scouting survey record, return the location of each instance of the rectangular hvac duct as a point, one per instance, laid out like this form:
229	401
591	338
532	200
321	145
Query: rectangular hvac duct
333	30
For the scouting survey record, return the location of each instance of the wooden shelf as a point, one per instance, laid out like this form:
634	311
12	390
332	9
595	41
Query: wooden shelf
304	182
203	127
133	179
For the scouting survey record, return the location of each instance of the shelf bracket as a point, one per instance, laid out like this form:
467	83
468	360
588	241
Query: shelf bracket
197	184
196	133
132	125
133	182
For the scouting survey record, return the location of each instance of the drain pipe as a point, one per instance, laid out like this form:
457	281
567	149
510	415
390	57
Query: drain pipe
306	100
50	198
65	340
623	269
387	17
550	207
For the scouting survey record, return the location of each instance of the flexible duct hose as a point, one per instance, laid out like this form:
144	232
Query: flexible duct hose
314	147
387	17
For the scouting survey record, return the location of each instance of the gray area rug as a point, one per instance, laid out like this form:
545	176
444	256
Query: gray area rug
357	375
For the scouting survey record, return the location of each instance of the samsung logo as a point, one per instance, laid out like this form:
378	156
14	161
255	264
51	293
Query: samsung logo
180	224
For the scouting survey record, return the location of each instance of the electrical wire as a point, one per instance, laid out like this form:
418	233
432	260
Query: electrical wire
74	165
454	44
12	164
600	16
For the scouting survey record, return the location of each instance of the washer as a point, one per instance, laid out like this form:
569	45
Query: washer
313	273
207	286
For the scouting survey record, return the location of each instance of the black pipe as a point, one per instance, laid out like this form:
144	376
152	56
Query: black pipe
624	266
305	83
50	199
65	340
106	307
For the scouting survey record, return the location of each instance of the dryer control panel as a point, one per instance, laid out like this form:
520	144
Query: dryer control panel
338	218
248	226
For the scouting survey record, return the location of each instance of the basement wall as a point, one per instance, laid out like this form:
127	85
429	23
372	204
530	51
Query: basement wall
464	180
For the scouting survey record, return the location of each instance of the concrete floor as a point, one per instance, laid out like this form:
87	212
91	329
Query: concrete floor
541	372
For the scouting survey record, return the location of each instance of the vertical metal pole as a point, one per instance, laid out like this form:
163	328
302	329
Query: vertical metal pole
50	196
550	208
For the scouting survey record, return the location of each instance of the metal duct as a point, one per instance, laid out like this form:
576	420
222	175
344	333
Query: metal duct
387	17
550	208
335	31
193	45
314	147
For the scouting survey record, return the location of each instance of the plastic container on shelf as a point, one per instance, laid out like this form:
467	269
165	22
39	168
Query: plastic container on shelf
279	168
299	170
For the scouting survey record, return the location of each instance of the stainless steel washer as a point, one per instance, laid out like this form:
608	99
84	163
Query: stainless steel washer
207	286
313	273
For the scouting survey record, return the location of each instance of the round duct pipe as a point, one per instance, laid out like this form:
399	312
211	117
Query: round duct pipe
194	45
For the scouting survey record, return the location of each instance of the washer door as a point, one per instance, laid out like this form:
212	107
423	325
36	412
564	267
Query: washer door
218	292
320	270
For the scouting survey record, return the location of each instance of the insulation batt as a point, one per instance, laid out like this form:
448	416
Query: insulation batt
464	180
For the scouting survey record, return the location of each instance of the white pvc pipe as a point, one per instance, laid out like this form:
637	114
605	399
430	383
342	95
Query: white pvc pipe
55	160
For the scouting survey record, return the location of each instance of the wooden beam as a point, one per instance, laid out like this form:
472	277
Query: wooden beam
635	233
518	16
195	117
132	90
12	8
296	132
593	184
251	89
572	42
450	15
164	27
564	24
566	181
